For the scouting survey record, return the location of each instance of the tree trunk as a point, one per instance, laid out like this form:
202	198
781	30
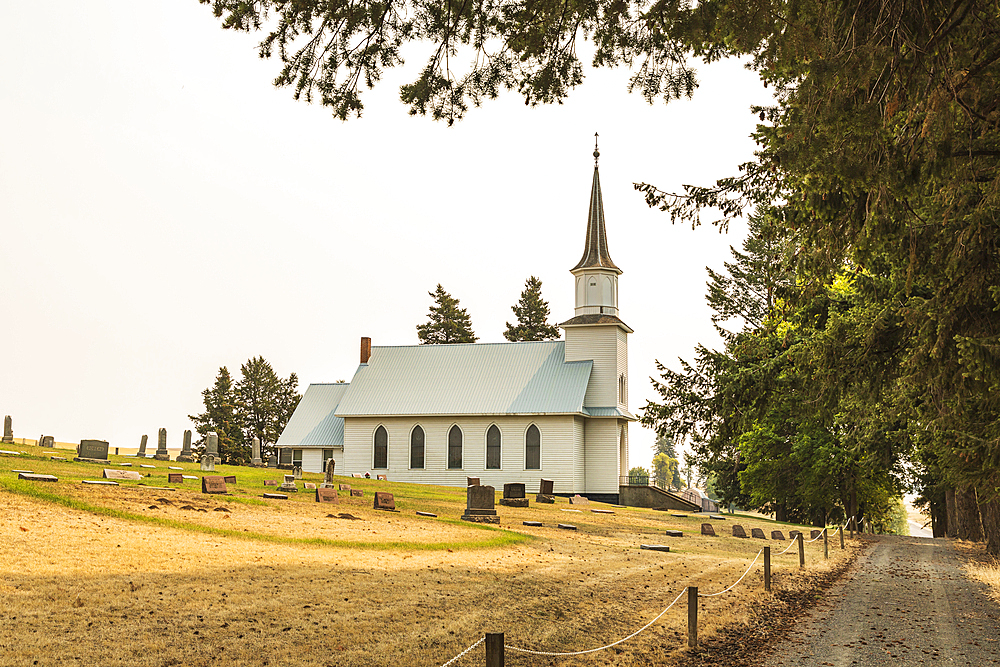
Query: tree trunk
781	513
939	520
951	513
970	526
990	511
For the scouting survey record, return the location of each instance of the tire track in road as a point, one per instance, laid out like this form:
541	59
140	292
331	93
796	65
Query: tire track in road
907	603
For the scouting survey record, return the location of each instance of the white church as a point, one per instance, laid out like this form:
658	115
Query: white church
502	412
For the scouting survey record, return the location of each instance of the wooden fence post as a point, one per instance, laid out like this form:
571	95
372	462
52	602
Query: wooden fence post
767	568
851	524
692	616
802	550
494	649
841	539
826	544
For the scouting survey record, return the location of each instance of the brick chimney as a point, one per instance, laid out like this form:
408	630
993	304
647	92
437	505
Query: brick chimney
366	349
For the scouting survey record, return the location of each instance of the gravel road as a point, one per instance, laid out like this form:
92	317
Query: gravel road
906	602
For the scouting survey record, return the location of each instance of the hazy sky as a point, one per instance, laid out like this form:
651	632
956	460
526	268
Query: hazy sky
165	211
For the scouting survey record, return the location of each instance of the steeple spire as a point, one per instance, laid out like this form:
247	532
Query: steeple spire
595	251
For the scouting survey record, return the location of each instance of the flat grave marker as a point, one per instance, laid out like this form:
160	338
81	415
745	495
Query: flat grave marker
357	493
674	533
190	476
357	475
102	482
32	477
308	485
175	478
230	479
603	511
716	517
175	468
112	473
275	496
536	524
431	514
270	482
566	526
654	547
679	516
145	465
345	487
27	471
57	458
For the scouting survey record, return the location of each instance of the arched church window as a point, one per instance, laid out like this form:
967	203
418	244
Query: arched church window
455	448
493	448
417	447
381	458
533	449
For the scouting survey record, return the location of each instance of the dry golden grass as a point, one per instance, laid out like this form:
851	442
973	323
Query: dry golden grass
80	587
987	572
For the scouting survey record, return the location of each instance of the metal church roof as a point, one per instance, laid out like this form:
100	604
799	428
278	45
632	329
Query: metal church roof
595	251
313	423
482	378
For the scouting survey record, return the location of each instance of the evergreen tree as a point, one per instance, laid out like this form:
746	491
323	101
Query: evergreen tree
264	402
638	475
447	322
532	315
221	416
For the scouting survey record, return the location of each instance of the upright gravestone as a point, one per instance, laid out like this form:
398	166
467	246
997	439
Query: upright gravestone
814	534
545	492
777	535
479	502
272	461
707	529
472	481
142	447
384	501
186	454
93	450
326	494
297	472
256	454
8	430
48	441
328	479
792	534
578	500
211	451
213	484
161	446
289	484
738	530
513	495
757	532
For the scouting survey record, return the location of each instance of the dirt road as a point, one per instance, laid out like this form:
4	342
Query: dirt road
906	603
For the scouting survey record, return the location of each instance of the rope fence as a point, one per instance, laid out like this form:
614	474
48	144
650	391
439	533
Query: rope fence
495	645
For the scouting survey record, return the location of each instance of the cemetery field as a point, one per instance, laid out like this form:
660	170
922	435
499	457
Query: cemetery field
133	575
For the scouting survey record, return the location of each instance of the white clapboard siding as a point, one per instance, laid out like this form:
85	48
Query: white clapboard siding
312	460
579	453
602	455
600	344
559	434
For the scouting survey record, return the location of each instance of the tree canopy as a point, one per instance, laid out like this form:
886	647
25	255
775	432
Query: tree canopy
258	405
447	322
532	315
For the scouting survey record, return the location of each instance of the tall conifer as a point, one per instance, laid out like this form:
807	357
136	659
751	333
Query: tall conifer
532	315
447	322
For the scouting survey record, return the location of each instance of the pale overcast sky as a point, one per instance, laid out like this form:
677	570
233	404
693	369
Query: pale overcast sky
165	211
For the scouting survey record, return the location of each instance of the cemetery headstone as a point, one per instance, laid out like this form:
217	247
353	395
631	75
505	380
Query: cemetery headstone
8	430
536	524
326	495
297	472
142	447
186	453
357	493
479	505
101	482
208	463
161	446
93	451
758	533
603	511
384	501
777	535
272	461
814	534
345	487
674	533
289	484
738	531
143	465
707	529
212	444
331	465
566	526
357	475
47	441
35	477
230	479
472	481
545	494
275	496
431	514
256	453
578	500
213	484
654	547
270	482
792	534
513	495
308	485
175	477
114	473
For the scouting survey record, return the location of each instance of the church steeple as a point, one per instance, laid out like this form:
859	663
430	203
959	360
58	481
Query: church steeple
595	250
